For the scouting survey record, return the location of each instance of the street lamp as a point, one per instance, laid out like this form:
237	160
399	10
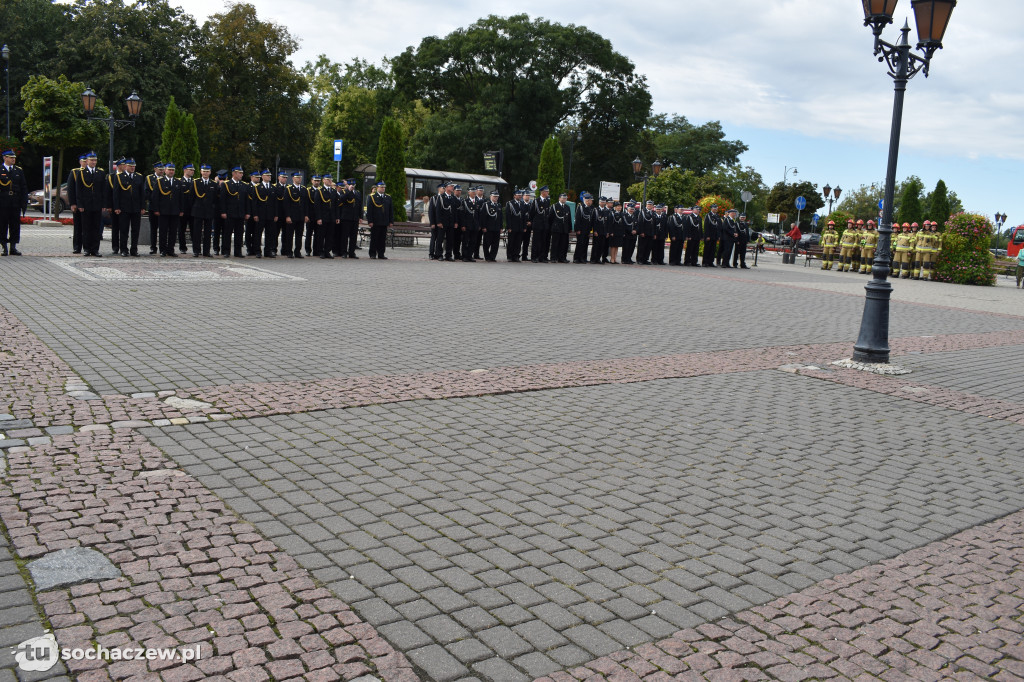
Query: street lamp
134	104
6	52
785	173
932	17
827	192
1000	219
638	173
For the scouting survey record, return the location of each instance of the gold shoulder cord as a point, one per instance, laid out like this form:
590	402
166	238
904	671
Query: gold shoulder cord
374	200
123	188
227	188
159	186
256	189
296	199
195	189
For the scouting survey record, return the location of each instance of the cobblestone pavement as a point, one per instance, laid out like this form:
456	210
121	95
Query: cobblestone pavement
440	472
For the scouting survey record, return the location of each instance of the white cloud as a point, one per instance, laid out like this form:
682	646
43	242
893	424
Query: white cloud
787	65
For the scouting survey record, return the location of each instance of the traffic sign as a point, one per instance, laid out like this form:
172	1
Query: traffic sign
337	150
880	202
746	196
814	220
801	203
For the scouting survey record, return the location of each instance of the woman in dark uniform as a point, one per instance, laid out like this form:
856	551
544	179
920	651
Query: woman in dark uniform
617	229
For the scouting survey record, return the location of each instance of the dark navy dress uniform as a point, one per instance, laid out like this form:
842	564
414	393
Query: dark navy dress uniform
13	201
129	199
380	215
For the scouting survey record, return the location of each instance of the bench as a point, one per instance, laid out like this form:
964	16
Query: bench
407	229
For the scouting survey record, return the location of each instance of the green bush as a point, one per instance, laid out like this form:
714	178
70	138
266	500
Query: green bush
965	258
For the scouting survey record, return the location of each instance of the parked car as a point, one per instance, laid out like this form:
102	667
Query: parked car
35	199
415	213
812	239
998	252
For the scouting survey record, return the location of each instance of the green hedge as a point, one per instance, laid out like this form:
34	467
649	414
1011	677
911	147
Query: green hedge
965	258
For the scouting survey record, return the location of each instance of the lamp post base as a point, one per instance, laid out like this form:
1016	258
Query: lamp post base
873	343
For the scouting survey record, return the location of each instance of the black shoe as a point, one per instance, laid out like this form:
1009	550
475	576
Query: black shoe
15	252
534	260
744	267
195	255
271	255
449	259
97	254
298	255
259	255
172	255
352	255
290	256
76	252
152	252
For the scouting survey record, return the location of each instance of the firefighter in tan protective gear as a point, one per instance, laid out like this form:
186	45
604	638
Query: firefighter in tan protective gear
849	243
903	248
926	249
829	241
868	242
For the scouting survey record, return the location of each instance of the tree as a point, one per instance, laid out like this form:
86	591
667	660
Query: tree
249	97
117	48
782	199
677	142
508	82
908	206
324	78
391	163
936	204
31	29
861	203
349	116
549	171
179	142
732	181
54	120
672	187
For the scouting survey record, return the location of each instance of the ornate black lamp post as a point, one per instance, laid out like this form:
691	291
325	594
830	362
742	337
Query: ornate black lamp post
134	104
827	192
1000	219
639	174
932	17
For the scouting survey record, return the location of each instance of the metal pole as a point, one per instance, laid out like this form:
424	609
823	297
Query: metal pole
873	342
110	124
7	73
572	143
643	202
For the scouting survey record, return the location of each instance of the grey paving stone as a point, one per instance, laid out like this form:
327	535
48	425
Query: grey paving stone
437	663
72	566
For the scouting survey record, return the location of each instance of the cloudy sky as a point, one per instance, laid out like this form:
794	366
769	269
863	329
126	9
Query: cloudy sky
794	79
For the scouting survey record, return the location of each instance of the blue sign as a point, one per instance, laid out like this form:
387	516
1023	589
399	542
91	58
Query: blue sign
814	220
801	203
880	202
337	150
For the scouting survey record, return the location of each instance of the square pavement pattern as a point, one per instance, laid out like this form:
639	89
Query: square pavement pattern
552	529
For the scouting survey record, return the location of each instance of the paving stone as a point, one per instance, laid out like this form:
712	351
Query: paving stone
71	567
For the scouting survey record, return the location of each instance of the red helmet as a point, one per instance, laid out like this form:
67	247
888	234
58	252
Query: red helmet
915	225
871	222
860	222
907	225
831	222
